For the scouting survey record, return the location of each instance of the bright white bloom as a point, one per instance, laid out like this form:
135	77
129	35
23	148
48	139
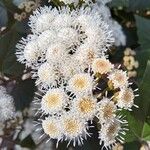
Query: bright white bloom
42	19
68	36
125	98
81	83
6	107
70	67
104	10
52	127
56	53
86	54
28	51
106	110
101	65
31	52
54	101
67	29
85	107
119	78
47	75
112	132
45	39
74	128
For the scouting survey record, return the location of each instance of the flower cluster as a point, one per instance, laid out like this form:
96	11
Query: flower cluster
101	7
6	105
77	83
26	6
130	62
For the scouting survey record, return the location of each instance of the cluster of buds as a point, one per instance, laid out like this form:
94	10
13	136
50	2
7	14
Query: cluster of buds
130	63
26	7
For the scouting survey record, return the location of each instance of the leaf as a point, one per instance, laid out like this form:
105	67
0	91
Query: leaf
138	5
3	15
131	5
135	145
8	62
143	54
134	132
23	94
146	132
118	3
143	31
28	142
143	101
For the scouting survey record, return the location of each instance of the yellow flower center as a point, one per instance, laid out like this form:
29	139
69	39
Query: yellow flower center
127	97
80	83
108	110
71	126
53	100
86	106
50	129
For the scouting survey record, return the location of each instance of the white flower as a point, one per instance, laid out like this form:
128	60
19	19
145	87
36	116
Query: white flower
86	54
42	19
45	39
56	53
106	110
31	52
71	67
68	36
119	36
6	107
112	132
125	98
81	83
85	107
47	75
74	128
54	101
44	22
101	65
119	78
104	11
52	127
28	51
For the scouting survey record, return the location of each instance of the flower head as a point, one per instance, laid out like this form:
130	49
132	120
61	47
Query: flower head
119	78
125	98
106	110
81	83
52	127
101	65
112	132
74	128
85	107
7	109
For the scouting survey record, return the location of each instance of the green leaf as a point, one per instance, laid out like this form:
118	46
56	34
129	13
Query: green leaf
134	132
143	31
143	101
131	5
8	62
28	142
3	15
23	93
118	3
146	132
143	54
138	5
